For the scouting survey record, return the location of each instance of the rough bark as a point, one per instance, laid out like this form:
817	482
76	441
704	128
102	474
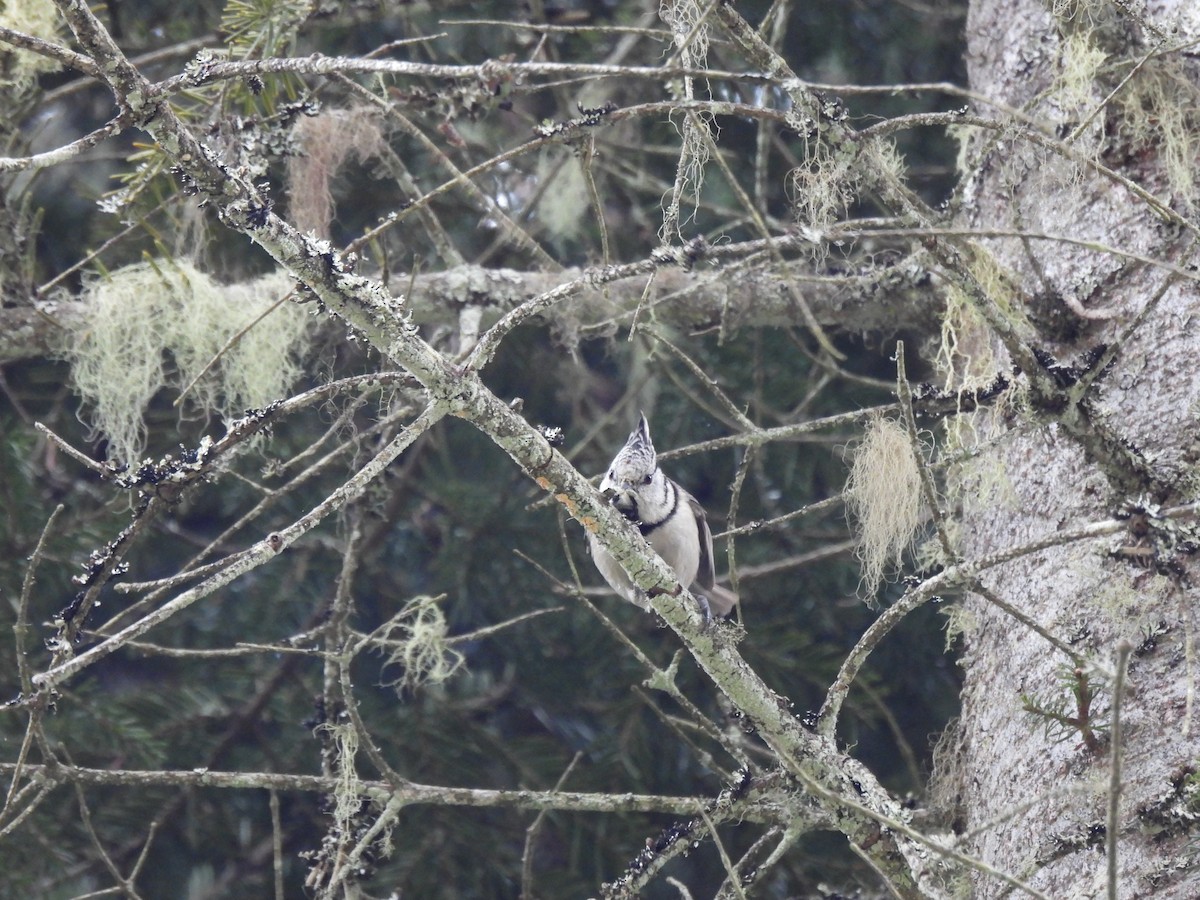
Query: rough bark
1034	791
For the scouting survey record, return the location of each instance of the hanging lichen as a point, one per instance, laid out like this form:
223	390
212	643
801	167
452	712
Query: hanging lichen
883	493
156	325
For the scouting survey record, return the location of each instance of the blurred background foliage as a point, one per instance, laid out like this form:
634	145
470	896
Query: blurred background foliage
453	517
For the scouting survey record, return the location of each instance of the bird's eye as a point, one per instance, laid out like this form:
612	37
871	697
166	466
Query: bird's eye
648	478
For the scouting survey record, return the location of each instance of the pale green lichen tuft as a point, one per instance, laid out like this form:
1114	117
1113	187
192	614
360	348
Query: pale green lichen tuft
563	206
967	354
883	494
1160	109
961	621
1081	63
156	325
823	187
416	641
687	20
37	18
347	792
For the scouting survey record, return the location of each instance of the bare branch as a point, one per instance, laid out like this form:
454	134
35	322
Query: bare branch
412	793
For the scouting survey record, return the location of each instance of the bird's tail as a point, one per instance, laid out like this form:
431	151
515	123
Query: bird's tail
720	600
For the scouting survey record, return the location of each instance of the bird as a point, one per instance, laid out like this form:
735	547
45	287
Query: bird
669	518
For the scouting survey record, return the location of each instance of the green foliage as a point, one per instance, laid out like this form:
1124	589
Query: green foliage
261	28
1073	716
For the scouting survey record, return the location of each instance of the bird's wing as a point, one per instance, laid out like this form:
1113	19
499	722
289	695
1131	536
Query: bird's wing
720	600
706	575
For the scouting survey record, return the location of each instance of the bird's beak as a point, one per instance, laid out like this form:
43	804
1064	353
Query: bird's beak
624	498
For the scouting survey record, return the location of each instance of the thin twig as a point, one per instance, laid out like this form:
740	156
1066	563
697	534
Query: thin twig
796	560
260	553
608	623
731	409
932	844
993	598
1103	104
489	630
379	791
65	152
792	833
489	342
365	741
589	180
339	691
765	524
531	832
1124	649
659	679
45	287
99	468
32	727
852	232
459	178
676	725
240	649
730	869
237	336
42	792
56	52
542	27
892	890
276	843
735	497
1046	797
317	64
144	854
1100	367
85	817
138	587
21	623
810	320
952	578
928	489
157	590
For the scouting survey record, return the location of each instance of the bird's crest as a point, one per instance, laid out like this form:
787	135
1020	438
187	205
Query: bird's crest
637	456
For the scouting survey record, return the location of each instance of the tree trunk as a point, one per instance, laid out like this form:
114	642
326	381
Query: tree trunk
1032	759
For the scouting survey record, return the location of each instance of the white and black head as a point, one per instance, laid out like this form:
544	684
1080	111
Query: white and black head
634	482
